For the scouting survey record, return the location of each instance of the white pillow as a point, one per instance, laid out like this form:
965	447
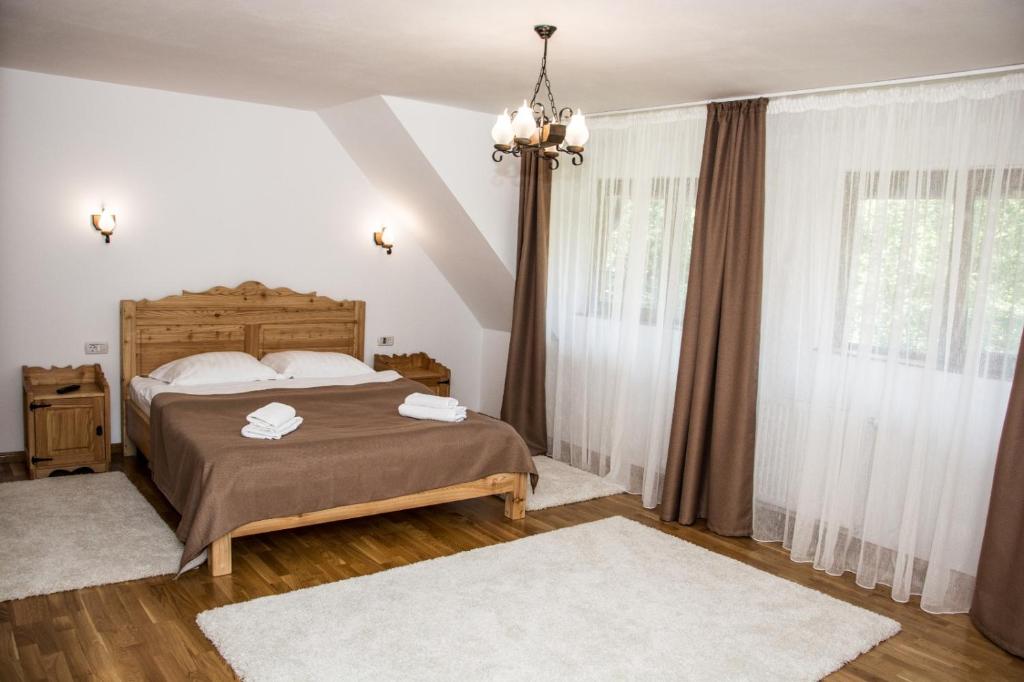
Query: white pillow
311	364
213	368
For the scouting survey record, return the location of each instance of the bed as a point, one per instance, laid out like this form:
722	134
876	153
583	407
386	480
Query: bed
354	456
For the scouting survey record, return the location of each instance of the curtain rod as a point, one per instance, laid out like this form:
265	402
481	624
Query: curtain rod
831	88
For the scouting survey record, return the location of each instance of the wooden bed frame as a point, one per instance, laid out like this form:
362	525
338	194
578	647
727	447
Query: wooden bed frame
260	320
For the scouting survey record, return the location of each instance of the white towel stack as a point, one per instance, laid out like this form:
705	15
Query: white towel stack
433	407
271	421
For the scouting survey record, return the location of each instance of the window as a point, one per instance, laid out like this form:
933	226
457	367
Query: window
995	204
664	242
926	248
611	243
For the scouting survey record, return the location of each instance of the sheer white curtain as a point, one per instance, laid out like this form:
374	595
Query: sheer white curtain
892	312
621	226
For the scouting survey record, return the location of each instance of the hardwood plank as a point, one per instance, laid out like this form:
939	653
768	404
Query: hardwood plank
145	629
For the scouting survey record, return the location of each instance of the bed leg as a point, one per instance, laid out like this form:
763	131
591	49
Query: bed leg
220	555
515	501
128	448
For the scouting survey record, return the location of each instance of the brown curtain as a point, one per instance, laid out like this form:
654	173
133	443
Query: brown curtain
523	404
998	607
710	468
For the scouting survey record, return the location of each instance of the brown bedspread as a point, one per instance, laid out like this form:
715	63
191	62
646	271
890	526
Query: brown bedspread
352	447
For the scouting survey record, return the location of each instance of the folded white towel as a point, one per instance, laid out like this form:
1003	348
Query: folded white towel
428	400
272	415
449	414
256	431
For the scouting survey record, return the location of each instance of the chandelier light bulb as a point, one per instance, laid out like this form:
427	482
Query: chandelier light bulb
576	133
523	125
502	132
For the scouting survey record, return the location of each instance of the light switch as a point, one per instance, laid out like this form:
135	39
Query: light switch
97	348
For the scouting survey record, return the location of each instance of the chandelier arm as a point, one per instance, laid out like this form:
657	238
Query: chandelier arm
553	163
496	156
577	158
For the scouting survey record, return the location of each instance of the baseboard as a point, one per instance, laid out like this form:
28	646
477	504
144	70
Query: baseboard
115	449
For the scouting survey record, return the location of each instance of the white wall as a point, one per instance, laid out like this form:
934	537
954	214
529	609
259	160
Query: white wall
207	192
493	361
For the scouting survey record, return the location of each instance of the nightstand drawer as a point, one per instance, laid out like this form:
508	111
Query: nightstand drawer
68	432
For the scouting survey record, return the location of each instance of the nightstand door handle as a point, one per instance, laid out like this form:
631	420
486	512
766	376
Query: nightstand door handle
444	381
36	460
99	430
38	405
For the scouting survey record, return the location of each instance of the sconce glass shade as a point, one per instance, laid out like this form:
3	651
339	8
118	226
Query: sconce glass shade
576	133
385	239
502	132
105	222
523	125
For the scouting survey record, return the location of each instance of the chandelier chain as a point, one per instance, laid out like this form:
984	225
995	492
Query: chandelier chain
542	77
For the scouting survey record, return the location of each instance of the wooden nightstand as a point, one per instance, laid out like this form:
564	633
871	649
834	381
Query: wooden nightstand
418	367
66	431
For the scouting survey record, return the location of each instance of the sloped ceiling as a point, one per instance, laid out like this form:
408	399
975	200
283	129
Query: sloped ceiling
425	197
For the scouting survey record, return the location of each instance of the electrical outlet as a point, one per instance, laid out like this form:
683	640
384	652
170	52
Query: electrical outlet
97	348
385	340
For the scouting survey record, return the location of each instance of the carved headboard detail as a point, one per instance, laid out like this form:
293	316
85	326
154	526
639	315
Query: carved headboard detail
250	317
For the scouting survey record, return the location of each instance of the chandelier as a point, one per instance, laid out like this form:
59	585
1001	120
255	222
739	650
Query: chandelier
551	131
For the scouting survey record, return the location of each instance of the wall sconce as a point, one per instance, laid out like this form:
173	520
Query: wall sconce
104	222
385	239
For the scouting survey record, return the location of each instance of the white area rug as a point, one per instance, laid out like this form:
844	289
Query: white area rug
611	599
561	484
75	531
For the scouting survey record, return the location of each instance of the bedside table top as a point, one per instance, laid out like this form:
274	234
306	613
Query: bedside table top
413	364
49	392
42	382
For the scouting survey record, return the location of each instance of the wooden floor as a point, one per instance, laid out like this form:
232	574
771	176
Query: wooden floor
146	629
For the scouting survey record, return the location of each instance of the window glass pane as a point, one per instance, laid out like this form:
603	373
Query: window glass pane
666	243
998	216
614	215
914	263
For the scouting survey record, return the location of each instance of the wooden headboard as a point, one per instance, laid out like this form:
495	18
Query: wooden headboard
249	317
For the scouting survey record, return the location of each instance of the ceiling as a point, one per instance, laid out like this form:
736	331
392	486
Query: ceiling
482	54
